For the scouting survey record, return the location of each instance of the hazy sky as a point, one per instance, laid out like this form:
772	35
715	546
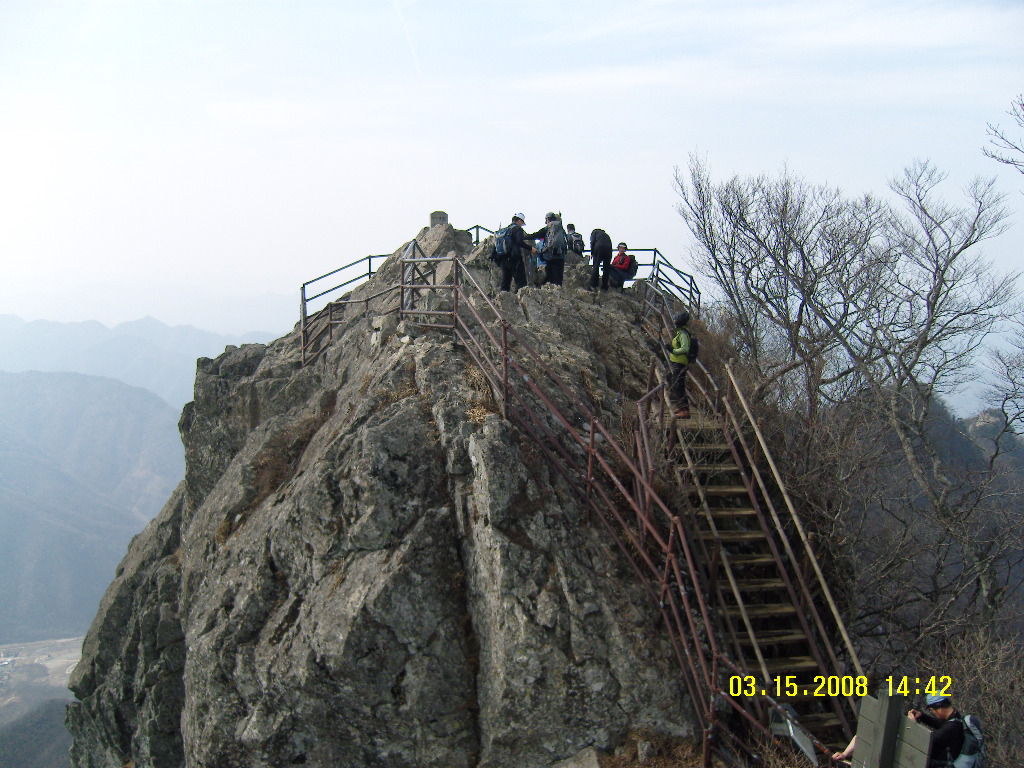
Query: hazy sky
185	159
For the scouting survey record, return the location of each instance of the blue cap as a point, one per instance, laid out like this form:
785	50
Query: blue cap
934	700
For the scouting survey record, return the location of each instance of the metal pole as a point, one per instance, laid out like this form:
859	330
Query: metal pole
455	294
590	463
302	320
504	368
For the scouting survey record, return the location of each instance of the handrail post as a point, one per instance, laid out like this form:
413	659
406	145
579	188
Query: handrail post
302	320
590	464
456	283
504	369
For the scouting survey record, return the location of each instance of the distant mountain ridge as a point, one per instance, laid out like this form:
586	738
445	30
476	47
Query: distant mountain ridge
85	462
145	353
119	440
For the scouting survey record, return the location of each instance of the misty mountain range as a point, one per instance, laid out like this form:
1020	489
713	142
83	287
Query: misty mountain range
89	452
145	353
85	462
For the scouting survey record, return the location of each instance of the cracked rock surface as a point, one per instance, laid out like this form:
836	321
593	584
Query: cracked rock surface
367	566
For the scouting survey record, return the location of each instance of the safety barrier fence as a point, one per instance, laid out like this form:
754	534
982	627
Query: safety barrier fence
658	270
316	326
619	487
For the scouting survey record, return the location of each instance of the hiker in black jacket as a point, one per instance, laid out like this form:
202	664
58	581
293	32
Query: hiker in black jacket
554	247
947	726
601	251
513	265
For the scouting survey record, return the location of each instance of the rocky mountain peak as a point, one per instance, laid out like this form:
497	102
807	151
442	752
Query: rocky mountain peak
366	565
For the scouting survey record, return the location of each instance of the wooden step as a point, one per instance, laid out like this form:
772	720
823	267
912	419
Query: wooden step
732	512
757	585
805	693
791	664
730	467
741	561
732	536
776	636
709	447
764	611
725	490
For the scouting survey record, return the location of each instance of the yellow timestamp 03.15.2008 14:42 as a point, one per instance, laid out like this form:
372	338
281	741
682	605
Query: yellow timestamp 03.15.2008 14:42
786	686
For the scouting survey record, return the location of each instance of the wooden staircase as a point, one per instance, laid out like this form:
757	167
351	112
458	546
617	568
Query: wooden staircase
761	613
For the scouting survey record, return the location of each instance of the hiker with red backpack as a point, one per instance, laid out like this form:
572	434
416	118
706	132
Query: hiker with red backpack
623	267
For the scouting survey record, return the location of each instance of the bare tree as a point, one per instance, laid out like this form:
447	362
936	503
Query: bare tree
988	679
855	316
1006	150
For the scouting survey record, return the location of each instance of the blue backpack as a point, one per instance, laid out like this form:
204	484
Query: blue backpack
973	754
503	243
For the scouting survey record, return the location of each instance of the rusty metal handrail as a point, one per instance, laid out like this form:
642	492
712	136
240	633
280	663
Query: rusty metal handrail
809	551
679	616
656	542
656	317
656	528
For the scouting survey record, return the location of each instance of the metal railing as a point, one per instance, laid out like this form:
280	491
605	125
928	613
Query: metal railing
619	486
317	325
659	541
476	229
766	490
314	327
589	457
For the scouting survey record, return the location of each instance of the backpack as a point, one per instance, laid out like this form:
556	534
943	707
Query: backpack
502	243
632	268
576	243
628	264
974	754
555	244
694	347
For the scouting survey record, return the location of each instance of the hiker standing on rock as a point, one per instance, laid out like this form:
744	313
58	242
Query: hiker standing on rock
554	248
601	253
575	239
680	353
512	265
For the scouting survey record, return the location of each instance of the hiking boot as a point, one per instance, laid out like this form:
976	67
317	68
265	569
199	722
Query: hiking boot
682	413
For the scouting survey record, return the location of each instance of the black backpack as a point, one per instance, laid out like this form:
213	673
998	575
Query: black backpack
694	347
633	267
576	243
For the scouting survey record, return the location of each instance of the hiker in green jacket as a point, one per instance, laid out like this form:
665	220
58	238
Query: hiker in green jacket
679	355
